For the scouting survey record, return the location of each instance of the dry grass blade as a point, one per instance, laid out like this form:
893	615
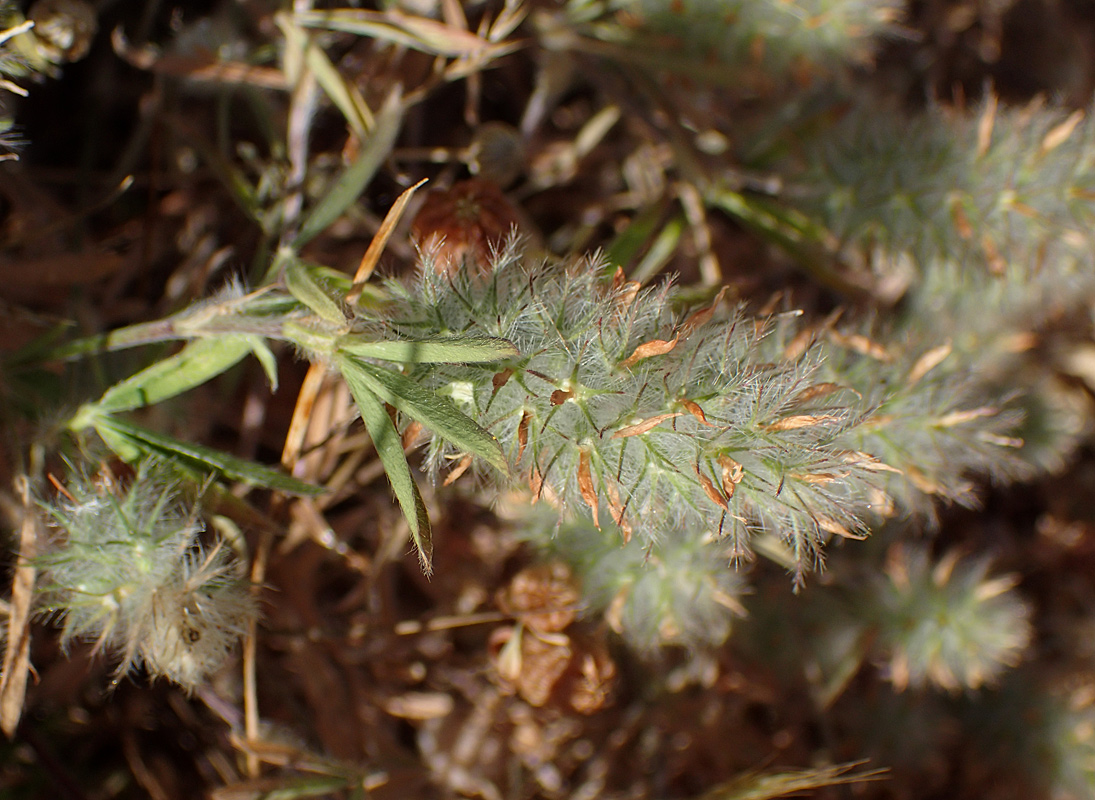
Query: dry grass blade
348	186
300	51
13	683
512	15
762	786
302	413
417	33
197	68
376	246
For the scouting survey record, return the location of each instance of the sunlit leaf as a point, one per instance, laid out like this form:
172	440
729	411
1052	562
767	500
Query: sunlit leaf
305	286
437	413
664	246
630	241
389	448
451	350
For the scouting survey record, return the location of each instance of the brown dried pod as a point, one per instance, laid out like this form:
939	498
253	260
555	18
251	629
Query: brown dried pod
543	597
555	668
588	683
527	664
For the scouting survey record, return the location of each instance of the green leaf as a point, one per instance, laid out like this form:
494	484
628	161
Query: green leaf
196	363
339	284
306	287
345	96
319	344
389	447
806	240
451	350
266	358
352	182
123	446
125	438
661	250
629	243
437	413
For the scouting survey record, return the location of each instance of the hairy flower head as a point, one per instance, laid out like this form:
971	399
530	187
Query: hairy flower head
129	572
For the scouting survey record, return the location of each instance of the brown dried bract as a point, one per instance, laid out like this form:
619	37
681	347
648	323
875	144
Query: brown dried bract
501	378
702	316
694	409
557	668
538	666
655	347
465	225
616	509
732	474
709	489
585	485
645	426
587	685
796	421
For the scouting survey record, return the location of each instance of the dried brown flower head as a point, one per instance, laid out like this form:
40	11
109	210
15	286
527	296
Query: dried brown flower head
464	225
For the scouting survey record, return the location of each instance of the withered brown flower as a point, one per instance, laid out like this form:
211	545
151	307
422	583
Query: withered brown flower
463	226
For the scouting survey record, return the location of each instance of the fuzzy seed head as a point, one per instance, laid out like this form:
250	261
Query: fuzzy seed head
129	572
949	624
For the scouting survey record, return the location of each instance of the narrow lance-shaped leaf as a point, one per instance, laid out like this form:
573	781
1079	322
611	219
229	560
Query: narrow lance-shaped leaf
129	441
354	179
452	350
266	358
198	362
389	448
437	413
304	286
